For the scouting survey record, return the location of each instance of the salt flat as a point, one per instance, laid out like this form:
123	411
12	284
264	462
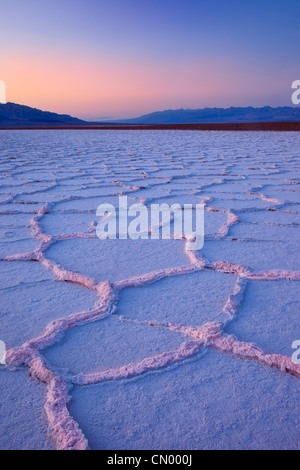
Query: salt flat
141	344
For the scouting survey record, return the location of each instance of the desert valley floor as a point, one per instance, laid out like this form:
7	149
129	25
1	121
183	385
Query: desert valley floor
142	344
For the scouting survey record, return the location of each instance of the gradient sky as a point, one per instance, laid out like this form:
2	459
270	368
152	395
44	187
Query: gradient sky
99	59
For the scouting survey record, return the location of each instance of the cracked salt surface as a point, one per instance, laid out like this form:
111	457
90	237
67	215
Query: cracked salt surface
143	344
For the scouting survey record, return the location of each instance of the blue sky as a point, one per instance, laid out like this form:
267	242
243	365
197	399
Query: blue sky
121	58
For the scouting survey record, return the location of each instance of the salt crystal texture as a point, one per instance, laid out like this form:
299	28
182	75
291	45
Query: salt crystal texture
145	344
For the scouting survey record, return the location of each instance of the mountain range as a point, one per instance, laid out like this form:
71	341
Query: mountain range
16	115
219	115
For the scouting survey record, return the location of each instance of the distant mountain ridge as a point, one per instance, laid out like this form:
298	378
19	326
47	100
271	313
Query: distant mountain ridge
218	115
16	115
12	114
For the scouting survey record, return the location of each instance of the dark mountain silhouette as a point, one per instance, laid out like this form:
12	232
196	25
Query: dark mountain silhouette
16	115
218	115
12	114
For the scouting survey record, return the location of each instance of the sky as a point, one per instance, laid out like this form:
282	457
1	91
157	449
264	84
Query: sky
110	59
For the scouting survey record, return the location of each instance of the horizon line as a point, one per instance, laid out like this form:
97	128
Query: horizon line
120	120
